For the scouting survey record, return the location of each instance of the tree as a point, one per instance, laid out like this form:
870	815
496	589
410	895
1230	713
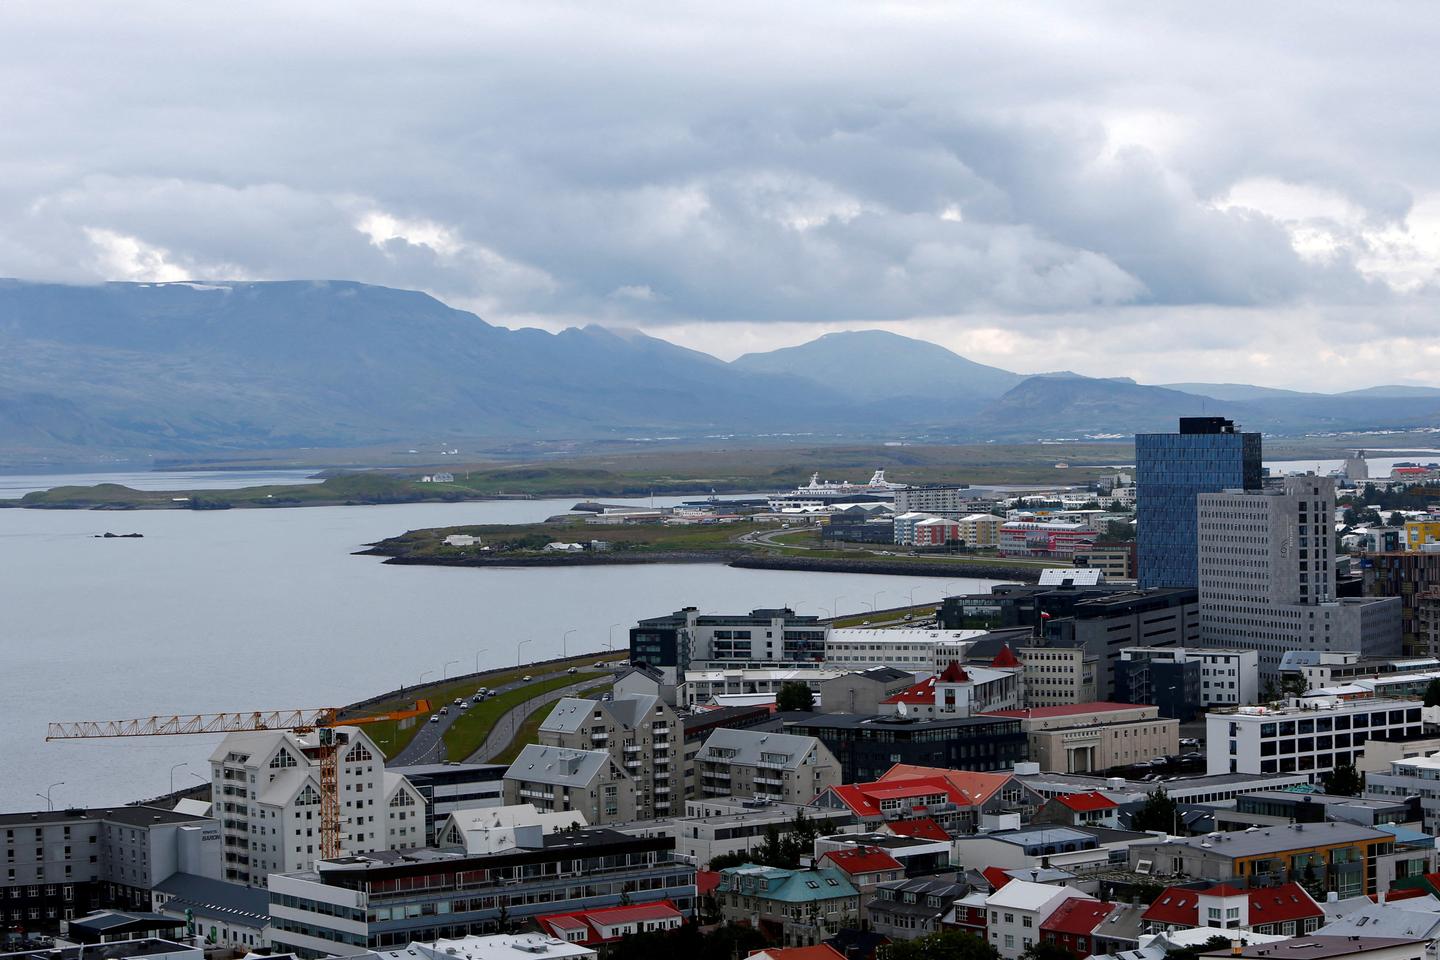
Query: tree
1159	812
1432	693
1046	950
1294	685
795	695
1121	531
944	945
1343	781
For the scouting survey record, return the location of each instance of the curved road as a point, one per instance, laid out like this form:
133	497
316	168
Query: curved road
512	720
429	744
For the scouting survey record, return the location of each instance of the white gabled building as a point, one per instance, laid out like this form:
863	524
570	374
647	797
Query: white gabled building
1018	909
266	794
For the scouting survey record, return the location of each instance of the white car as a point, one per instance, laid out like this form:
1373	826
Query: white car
434	718
572	670
525	679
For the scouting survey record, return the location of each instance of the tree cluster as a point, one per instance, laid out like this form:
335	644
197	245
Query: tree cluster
795	695
776	849
945	945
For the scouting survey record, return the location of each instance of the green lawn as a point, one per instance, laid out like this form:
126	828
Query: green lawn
467	734
530	729
530	538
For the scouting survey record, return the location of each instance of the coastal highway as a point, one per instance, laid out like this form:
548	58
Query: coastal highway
429	744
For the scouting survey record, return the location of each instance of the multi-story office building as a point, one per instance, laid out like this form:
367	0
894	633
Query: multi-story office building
1107	622
701	687
448	787
1222	677
642	735
59	865
672	643
867	746
265	787
390	899
1115	560
768	766
1312	736
1410	576
1267	576
559	778
920	651
1032	538
1407	778
1171	470
1057	673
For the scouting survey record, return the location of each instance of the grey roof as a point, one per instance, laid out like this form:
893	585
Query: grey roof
748	745
207	897
104	920
1315	946
118	950
571	714
1256	841
881	674
928	887
1384	920
136	816
559	765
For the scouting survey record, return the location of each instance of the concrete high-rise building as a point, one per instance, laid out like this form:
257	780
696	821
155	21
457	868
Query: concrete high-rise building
1171	470
265	788
1267	577
641	733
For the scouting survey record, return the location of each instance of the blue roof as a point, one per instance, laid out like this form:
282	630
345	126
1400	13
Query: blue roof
1406	835
789	886
1043	835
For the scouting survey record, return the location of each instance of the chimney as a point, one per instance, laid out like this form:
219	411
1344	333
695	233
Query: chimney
1380	897
1332	897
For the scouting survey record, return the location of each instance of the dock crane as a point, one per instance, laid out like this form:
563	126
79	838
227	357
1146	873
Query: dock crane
319	720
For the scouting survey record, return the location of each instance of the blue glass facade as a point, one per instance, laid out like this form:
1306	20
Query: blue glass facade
1171	470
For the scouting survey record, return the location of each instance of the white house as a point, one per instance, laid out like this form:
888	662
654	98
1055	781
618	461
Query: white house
1017	910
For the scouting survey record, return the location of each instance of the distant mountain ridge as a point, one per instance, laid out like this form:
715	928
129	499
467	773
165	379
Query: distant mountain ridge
211	367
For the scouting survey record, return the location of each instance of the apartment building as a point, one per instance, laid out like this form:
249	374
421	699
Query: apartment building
1411	576
62	864
671	643
980	530
560	778
1343	857
1017	911
1267	577
390	899
941	500
748	686
450	787
867	746
1184	680
1089	737
640	732
1059	672
767	766
1410	777
724	826
1032	538
1115	560
1310	736
265	788
795	907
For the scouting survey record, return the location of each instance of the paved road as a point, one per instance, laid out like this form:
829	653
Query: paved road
429	744
506	726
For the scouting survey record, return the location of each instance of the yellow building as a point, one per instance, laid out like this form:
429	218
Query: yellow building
1420	532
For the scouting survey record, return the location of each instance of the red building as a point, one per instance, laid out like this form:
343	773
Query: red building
1073	925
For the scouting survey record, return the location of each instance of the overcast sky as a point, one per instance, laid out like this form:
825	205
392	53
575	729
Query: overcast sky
1172	192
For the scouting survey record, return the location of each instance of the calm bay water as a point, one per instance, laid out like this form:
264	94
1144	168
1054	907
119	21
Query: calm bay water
251	609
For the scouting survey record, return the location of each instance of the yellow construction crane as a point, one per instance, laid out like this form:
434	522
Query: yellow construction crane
322	720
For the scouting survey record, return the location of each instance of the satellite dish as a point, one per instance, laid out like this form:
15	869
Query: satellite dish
901	709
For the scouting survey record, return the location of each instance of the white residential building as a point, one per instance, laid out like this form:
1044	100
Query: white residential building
763	765
1228	677
701	686
918	651
266	790
493	829
1017	910
1311	736
1411	777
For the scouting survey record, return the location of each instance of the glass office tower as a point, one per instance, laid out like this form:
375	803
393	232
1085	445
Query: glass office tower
1171	470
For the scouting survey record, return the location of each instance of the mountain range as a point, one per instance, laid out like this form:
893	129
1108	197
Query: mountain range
135	368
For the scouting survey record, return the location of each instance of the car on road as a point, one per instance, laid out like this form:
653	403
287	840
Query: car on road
434	718
525	679
600	664
459	700
572	670
464	704
444	709
482	691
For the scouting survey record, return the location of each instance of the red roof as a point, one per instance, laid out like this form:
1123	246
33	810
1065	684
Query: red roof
954	674
1084	802
863	860
1289	901
971	786
1078	916
997	877
922	828
706	881
822	951
864	798
921	693
1064	710
1005	658
1405	893
592	920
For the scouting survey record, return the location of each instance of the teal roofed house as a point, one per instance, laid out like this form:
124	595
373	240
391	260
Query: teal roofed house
796	907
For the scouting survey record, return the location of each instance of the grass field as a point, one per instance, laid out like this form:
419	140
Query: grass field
467	734
530	538
530	730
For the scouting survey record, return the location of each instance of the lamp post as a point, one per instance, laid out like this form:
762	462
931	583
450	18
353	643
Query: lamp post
173	768
477	657
423	676
517	649
611	645
875	600
49	804
836	605
565	644
445	670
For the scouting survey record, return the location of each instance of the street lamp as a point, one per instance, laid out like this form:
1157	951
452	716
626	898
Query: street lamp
565	644
611	645
423	676
173	768
517	649
477	657
49	804
875	600
836	605
445	670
